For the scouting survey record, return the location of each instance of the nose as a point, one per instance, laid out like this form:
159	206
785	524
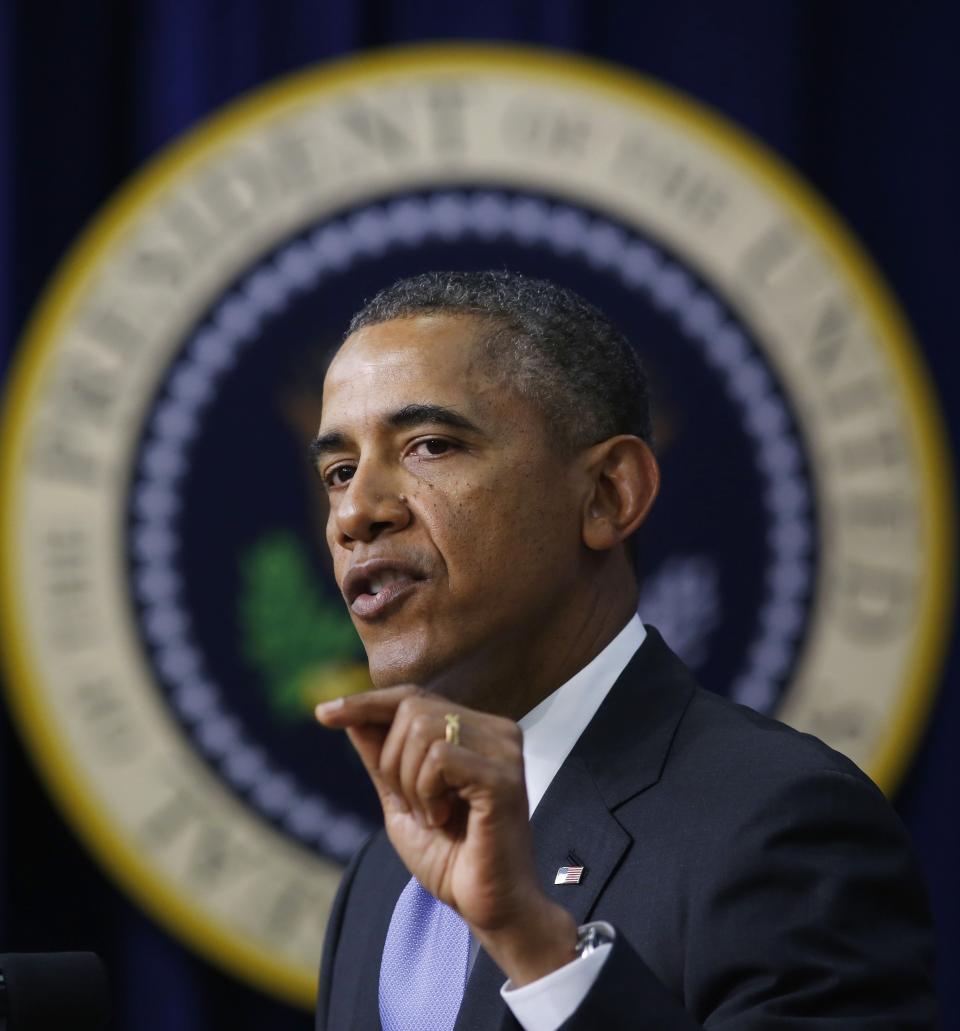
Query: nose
371	505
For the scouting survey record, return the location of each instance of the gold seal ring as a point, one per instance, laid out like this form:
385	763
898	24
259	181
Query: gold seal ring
452	732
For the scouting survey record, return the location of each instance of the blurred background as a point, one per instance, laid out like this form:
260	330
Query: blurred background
858	98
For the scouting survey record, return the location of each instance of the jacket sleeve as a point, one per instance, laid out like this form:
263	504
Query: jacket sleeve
332	938
809	912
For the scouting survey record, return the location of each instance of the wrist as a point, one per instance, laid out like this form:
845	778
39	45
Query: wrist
541	940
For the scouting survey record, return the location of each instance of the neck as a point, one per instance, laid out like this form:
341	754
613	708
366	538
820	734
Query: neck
516	672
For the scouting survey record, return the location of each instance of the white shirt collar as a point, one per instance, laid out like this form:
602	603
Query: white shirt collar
552	728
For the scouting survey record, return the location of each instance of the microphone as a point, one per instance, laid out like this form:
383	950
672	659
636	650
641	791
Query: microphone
52	991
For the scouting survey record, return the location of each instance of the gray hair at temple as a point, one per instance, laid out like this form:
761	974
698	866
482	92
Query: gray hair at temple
551	345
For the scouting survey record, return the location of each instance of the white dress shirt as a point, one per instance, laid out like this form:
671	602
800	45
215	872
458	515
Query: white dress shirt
549	733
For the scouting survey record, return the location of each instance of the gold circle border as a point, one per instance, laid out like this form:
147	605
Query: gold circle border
165	903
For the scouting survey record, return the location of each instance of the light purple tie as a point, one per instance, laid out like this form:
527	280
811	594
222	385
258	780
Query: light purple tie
423	971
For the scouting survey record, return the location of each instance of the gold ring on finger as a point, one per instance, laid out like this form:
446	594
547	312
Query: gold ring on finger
452	732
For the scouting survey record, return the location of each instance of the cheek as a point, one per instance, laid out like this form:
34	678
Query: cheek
500	533
339	556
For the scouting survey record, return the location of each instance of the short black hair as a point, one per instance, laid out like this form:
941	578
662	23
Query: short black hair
552	345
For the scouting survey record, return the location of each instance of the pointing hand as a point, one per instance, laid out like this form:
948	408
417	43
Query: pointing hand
457	815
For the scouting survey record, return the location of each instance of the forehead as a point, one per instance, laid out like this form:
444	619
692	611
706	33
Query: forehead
432	357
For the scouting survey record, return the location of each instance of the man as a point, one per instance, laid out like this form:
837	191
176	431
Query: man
485	447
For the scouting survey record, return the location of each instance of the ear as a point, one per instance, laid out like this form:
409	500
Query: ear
624	480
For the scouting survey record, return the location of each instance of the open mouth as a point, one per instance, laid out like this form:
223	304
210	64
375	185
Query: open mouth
370	590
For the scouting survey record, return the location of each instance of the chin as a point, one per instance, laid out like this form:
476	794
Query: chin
398	662
424	661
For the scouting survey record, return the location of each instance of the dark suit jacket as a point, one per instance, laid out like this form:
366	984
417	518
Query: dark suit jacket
756	878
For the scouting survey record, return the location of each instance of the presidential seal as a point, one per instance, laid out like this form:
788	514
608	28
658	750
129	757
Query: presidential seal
169	617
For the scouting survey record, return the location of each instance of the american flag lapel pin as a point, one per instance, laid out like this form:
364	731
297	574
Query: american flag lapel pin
568	875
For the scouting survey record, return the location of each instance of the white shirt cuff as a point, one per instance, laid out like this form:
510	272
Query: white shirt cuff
544	1004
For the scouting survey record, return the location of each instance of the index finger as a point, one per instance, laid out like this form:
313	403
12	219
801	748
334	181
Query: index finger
378	706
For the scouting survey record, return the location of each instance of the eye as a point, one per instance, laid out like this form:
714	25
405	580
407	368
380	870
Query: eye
338	476
432	447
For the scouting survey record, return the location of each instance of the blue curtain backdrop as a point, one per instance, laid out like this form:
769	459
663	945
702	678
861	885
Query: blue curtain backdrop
860	97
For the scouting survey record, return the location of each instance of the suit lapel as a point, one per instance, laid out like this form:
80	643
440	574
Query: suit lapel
482	1008
571	816
626	744
392	877
573	826
621	753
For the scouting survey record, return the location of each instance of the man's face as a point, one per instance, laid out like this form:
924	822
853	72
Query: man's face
454	519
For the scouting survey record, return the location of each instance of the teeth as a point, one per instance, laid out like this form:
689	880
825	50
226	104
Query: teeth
384	579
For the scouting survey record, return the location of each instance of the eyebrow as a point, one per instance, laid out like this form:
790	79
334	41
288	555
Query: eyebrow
406	417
